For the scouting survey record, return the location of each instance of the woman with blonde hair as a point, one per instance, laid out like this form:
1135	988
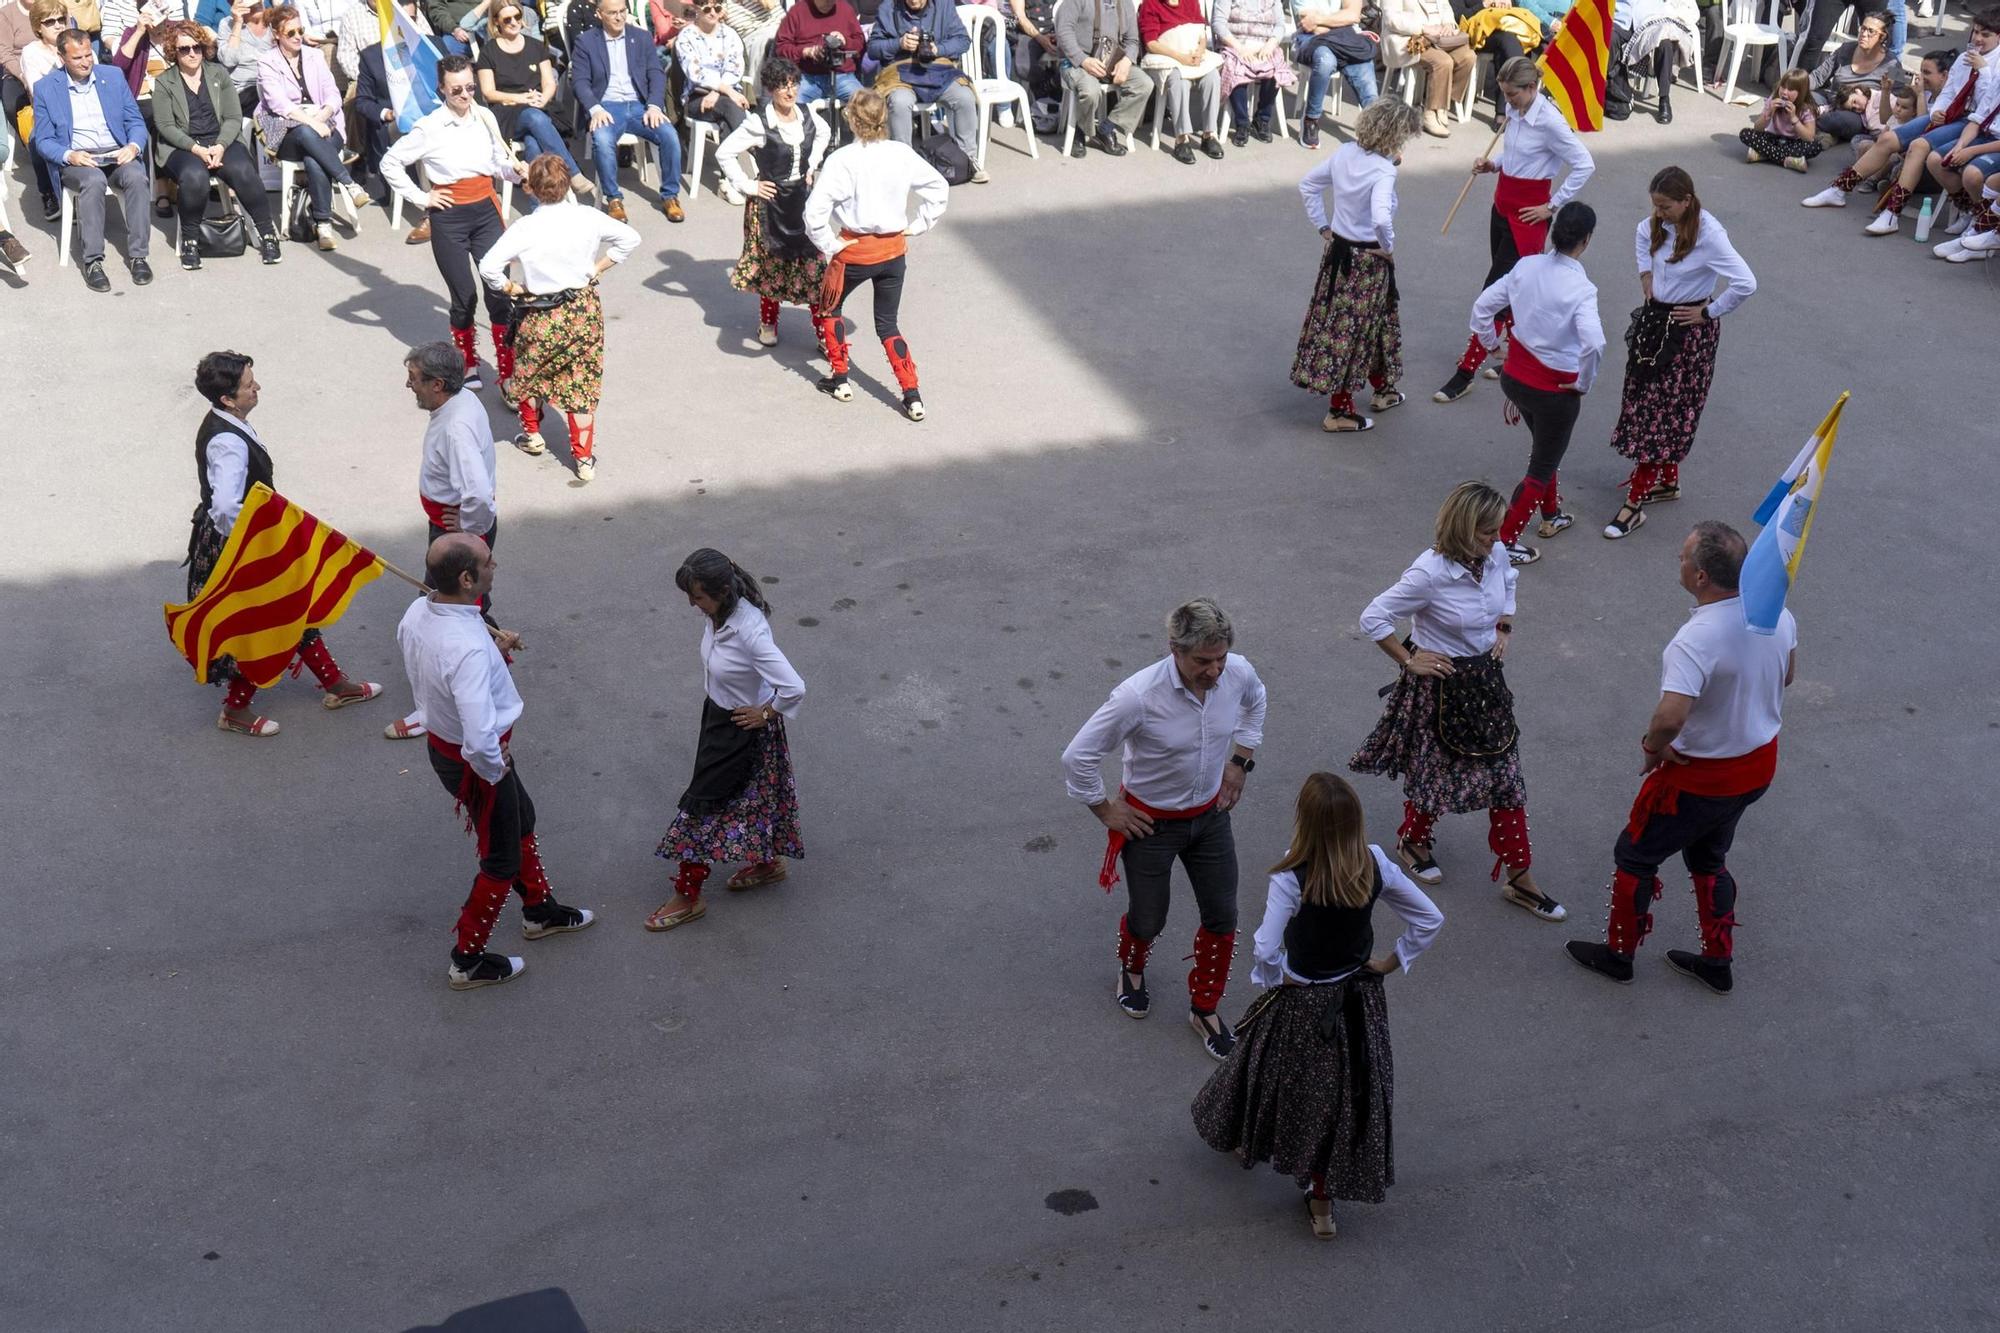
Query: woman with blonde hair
1310	1084
1448	730
1352	335
857	214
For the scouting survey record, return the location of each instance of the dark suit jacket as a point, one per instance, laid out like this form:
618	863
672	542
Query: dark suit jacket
371	86
590	67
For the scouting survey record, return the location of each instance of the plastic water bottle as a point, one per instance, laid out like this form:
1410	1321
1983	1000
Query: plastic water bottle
1924	221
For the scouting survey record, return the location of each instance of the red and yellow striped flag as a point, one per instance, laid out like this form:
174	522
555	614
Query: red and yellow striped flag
1575	61
281	573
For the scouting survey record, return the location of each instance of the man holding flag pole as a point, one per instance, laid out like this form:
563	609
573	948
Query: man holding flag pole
1540	134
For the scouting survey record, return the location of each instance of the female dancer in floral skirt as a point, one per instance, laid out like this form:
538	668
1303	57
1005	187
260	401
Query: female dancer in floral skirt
787	141
1310	1083
742	803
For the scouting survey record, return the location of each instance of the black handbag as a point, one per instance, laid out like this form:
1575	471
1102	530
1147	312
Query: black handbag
299	220
223	238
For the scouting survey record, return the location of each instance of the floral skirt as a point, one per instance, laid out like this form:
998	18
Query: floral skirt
559	355
1309	1088
1658	414
781	278
760	824
1352	335
1436	780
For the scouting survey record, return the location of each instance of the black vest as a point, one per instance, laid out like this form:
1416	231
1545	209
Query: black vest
1324	940
211	426
777	161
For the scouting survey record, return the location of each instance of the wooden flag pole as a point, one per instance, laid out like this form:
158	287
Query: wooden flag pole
1467	189
418	584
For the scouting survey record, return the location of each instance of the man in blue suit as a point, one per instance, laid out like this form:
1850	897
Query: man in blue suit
619	83
88	127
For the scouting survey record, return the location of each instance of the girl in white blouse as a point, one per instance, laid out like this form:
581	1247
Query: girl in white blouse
743	802
1307	1087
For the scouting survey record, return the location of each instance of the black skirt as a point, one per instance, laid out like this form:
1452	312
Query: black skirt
725	757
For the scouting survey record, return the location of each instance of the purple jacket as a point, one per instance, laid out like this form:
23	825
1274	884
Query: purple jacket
279	94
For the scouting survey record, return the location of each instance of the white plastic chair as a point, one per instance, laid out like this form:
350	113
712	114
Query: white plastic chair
1745	32
1226	118
288	181
1066	116
68	220
700	132
990	90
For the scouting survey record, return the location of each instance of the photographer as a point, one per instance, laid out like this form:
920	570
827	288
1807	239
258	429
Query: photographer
919	43
823	38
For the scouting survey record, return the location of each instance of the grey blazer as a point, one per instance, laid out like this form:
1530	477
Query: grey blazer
170	109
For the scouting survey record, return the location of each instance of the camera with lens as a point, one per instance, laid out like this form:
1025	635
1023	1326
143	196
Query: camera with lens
926	49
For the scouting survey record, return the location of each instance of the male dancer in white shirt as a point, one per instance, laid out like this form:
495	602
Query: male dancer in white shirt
1710	751
465	691
1188	726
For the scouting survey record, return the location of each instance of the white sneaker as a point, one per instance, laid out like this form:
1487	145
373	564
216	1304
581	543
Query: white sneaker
1885	224
1947	250
1831	197
1752	155
1965	256
358	201
1797	164
1981	240
1958	225
767	335
1006	117
323	236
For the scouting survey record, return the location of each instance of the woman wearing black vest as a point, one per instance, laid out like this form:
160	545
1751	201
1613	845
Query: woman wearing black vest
228	460
786	141
1309	1084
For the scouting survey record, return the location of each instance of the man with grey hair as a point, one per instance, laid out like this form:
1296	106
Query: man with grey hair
1188	726
1710	751
455	479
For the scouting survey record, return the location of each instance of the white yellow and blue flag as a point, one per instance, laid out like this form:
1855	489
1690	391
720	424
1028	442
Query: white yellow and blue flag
1787	517
411	63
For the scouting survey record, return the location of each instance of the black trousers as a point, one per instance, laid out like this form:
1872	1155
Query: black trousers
724	113
1550	417
888	279
460	238
1699	831
237	171
511	818
1499	244
1206	846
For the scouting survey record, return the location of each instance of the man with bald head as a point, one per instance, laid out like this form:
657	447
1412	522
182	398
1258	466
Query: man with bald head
468	699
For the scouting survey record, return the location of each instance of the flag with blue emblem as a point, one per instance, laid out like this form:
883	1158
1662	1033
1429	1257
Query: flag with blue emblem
1787	517
411	64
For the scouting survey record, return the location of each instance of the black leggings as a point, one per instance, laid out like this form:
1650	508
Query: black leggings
1500	244
888	279
1550	417
237	171
460	238
321	158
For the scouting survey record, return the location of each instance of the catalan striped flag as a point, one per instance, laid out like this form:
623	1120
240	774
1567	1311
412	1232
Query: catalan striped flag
281	573
1575	61
410	62
1772	565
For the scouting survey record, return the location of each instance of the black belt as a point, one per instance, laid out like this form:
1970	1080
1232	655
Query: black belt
547	300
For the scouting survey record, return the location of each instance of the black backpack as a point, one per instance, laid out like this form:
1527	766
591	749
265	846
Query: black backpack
944	154
299	221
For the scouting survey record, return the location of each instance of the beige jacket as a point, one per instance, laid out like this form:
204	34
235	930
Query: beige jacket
1404	19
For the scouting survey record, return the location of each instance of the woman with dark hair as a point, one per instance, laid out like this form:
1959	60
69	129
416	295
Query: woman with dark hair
1866	64
1310	1084
563	247
743	802
786	142
1671	346
1449	730
197	134
1552	358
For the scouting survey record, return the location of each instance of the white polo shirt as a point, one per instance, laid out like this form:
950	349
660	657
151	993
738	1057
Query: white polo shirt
1735	676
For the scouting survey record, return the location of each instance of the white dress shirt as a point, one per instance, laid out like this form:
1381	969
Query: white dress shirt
449	147
457	469
1555	315
1450	611
1735	676
228	471
1694	278
1540	144
1421	923
557	245
89	132
752	135
865	188
741	666
464	691
1175	745
1363	186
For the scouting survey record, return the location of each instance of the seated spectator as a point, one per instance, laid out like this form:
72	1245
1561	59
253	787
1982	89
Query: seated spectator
88	128
299	112
1099	40
518	80
1865	63
1331	40
920	44
46	20
1787	128
1174	33
128	25
454	22
1251	36
198	133
1498	29
1816	20
1962	169
242	41
756	22
1649	36
824	40
620	85
1445	53
711	59
375	111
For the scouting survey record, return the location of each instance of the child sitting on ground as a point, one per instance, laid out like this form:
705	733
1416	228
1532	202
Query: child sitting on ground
1787	129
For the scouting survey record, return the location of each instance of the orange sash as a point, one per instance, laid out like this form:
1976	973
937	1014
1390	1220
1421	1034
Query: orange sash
471	190
862	250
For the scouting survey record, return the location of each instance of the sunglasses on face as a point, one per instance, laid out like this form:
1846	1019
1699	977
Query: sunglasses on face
186	50
51	23
292	32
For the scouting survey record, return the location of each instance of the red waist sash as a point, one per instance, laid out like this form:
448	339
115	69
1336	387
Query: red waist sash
1114	841
1734	776
1527	368
1514	193
435	511
474	796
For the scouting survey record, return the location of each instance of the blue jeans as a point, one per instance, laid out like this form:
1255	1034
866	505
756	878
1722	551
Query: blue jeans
1942	139
538	135
452	46
1360	78
630	118
1899	25
814	87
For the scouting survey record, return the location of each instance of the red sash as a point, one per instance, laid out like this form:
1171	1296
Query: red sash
1737	775
1114	841
435	511
1527	368
1514	193
474	794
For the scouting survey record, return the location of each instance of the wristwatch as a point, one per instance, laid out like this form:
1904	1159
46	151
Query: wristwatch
1247	765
